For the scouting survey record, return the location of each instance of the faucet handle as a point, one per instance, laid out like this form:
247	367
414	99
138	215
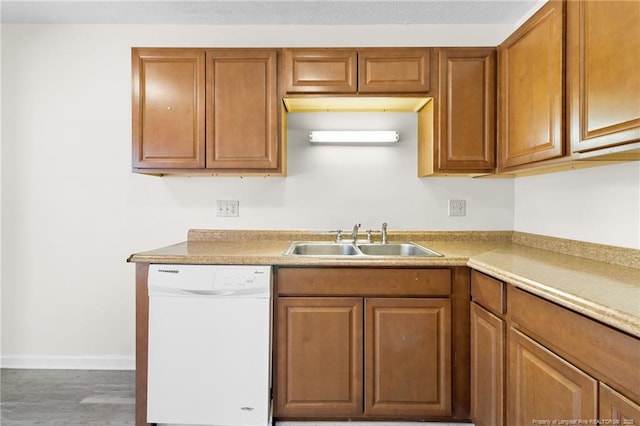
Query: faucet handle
338	236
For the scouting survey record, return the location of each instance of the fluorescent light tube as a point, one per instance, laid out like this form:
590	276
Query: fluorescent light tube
355	136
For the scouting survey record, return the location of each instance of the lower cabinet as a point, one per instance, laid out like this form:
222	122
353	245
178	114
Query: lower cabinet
487	350
319	363
407	357
383	356
395	363
542	386
535	362
615	408
487	367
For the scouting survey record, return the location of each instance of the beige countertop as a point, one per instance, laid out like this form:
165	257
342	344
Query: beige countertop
601	282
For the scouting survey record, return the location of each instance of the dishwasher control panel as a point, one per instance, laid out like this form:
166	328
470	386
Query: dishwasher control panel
241	278
202	280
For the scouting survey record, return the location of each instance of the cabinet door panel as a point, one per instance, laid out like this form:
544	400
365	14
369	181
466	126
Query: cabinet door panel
394	70
168	107
467	110
544	386
603	60
407	357
487	368
242	109
531	76
321	71
319	357
614	407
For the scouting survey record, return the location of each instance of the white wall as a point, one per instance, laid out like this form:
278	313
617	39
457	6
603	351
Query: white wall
72	211
600	205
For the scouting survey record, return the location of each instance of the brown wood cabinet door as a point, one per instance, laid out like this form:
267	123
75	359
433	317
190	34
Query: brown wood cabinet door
242	109
543	386
603	73
168	108
407	357
394	70
617	409
320	71
319	357
531	90
487	368
467	110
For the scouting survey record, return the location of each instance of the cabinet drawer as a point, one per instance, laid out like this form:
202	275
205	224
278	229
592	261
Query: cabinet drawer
607	354
488	293
363	281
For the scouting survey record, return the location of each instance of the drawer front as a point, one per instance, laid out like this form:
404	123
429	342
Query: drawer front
363	282
488	293
321	71
395	70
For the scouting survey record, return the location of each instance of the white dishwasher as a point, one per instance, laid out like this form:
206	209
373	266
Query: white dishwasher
209	359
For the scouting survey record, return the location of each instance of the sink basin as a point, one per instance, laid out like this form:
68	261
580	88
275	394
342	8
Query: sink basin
322	249
313	248
397	249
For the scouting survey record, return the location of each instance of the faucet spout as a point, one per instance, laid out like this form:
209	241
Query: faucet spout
354	233
384	233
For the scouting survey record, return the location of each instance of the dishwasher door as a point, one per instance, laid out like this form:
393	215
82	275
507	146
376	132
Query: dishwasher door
209	345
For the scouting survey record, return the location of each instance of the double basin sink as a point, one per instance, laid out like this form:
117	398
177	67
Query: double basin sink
314	248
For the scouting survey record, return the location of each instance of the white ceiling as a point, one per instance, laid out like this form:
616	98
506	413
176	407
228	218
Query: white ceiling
267	12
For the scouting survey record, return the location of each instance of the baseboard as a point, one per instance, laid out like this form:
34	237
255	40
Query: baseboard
68	362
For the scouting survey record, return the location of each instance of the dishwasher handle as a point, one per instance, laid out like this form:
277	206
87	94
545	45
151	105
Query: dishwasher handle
160	291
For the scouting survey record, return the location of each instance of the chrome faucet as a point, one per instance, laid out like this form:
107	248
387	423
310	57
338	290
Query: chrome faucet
354	233
384	233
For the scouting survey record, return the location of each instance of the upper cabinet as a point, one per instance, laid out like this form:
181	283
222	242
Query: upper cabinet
352	71
603	81
394	70
198	111
168	108
320	71
466	114
562	92
242	110
531	90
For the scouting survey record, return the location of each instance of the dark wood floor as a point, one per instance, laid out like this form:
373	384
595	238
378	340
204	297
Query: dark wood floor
66	397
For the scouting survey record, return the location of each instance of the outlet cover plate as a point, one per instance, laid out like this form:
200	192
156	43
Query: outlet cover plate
227	208
457	208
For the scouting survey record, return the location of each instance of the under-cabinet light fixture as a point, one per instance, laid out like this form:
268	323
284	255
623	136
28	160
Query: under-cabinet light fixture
354	136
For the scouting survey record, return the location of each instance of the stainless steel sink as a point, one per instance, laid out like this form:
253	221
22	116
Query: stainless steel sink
313	248
321	249
397	249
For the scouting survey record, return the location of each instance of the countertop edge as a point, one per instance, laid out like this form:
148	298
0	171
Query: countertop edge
611	317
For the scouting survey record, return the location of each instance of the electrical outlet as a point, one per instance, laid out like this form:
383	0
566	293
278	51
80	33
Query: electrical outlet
457	208
228	208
